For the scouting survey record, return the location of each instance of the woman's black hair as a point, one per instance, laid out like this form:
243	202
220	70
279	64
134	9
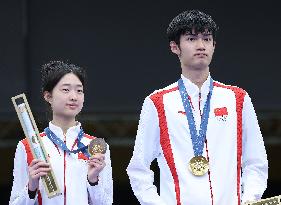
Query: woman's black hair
52	72
189	20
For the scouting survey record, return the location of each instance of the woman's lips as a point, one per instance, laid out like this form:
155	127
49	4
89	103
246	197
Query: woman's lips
72	106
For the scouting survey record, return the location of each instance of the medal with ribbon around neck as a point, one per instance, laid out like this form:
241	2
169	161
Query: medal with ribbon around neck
97	145
198	165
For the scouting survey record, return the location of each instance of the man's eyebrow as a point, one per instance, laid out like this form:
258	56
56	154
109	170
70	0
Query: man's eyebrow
207	34
204	34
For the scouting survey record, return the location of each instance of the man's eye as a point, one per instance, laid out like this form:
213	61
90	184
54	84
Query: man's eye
80	91
190	39
65	90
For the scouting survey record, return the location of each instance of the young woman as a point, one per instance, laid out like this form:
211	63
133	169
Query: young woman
82	180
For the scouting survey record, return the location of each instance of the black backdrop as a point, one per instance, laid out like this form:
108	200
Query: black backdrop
124	48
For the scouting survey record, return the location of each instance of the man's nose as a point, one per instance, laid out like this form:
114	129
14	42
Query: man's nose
200	44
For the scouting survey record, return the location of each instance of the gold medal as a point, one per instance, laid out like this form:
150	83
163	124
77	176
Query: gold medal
198	165
97	145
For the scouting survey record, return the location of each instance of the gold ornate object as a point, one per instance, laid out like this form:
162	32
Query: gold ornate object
35	143
198	165
276	200
97	145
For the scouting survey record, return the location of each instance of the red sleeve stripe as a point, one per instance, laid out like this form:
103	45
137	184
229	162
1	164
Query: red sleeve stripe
157	99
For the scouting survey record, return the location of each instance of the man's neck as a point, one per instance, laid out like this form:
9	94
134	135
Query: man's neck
64	123
196	76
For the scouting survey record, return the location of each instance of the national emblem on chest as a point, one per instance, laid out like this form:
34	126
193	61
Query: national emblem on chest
223	107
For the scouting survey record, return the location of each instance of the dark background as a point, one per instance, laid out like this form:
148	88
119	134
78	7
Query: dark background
123	47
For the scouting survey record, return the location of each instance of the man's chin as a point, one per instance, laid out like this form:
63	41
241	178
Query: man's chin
201	66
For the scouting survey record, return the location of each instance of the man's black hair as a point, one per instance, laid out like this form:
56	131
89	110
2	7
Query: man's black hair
186	21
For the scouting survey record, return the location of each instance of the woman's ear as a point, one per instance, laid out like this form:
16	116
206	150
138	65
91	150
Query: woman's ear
47	96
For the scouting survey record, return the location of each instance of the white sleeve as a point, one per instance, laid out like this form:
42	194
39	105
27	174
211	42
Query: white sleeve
19	194
102	193
254	158
146	149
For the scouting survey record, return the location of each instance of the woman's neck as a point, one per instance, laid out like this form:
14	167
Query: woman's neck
64	123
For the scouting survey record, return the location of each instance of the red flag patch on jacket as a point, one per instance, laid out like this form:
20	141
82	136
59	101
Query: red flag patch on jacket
221	113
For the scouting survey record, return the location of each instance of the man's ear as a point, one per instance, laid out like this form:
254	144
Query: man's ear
174	48
47	96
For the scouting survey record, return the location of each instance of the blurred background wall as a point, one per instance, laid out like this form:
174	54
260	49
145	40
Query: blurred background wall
123	47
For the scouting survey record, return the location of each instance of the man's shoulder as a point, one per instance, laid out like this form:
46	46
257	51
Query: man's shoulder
160	92
233	88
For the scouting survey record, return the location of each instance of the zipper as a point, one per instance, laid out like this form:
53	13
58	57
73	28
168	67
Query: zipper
207	152
200	104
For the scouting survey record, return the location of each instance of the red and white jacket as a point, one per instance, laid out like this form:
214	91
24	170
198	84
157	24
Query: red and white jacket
234	147
70	171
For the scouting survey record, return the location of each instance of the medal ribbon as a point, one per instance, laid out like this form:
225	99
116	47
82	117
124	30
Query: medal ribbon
57	141
197	139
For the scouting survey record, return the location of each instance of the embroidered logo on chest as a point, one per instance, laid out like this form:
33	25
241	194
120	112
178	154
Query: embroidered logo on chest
182	112
221	113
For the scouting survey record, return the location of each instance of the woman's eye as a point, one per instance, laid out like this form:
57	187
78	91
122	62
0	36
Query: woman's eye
80	91
65	90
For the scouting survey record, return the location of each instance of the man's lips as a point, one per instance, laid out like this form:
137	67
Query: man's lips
201	54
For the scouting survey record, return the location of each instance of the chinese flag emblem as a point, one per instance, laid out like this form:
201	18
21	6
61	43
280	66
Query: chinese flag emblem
221	113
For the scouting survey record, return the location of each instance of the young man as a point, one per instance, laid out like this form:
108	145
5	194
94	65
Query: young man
204	134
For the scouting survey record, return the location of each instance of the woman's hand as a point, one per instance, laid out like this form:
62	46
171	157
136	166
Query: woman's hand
96	164
37	169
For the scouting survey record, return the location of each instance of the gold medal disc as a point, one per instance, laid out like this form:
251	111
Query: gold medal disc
97	145
198	165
